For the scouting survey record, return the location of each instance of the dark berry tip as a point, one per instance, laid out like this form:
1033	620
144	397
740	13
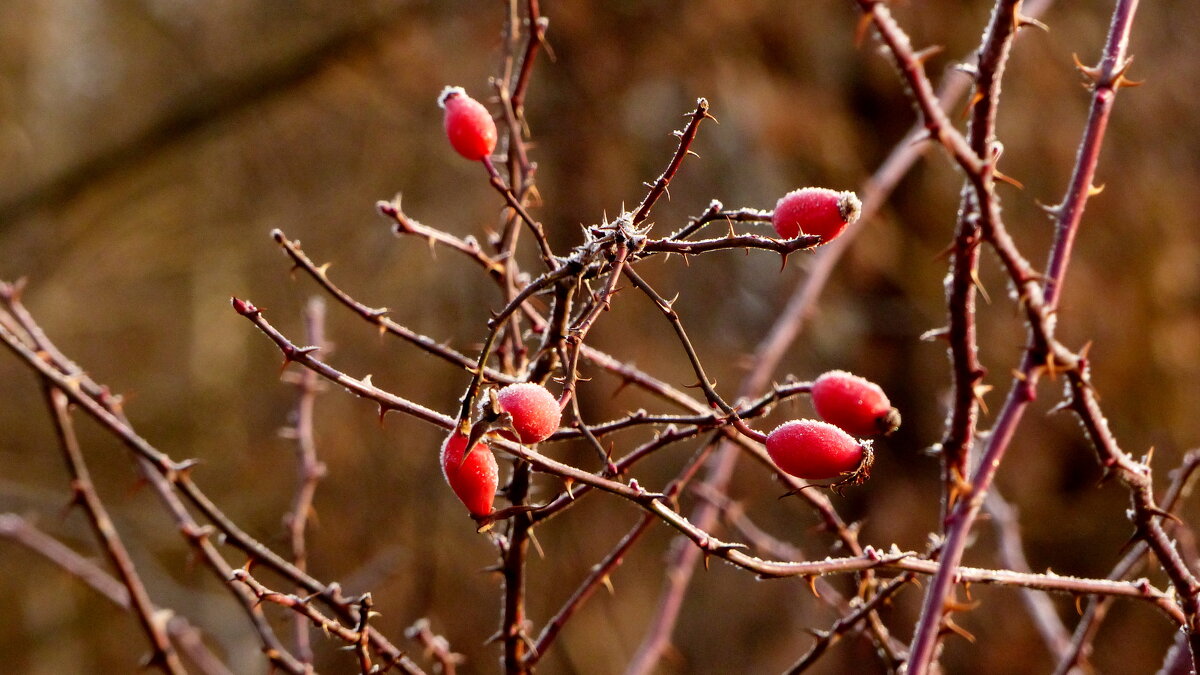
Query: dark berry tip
889	422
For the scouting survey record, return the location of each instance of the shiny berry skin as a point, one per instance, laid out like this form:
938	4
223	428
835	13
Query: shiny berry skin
473	480
815	211
469	125
857	405
534	411
815	450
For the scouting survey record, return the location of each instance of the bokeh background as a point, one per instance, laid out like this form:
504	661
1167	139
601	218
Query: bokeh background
148	147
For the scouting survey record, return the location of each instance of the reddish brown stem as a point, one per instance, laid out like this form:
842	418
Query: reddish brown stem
309	469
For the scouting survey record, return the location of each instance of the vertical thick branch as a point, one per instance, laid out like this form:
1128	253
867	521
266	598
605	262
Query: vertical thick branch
966	370
1023	389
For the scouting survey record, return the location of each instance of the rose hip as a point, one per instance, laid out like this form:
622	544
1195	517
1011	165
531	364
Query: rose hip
534	411
474	479
816	211
855	404
469	125
816	450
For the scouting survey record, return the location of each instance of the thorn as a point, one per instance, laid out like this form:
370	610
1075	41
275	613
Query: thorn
1083	353
976	97
1123	81
1023	21
958	630
1119	79
860	31
1061	406
944	254
978	392
1005	178
978	284
959	486
942	333
1155	511
812	585
537	545
1053	210
925	54
1094	190
1090	74
607	581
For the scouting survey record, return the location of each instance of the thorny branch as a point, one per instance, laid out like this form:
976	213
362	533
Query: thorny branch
153	620
170	478
521	344
185	635
1043	353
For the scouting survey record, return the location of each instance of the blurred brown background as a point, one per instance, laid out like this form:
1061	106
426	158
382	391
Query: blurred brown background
147	148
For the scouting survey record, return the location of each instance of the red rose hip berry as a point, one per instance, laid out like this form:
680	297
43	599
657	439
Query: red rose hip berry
534	410
469	125
816	450
816	211
474	479
855	404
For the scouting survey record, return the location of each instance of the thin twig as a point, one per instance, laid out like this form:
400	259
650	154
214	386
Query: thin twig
166	476
436	646
186	636
105	407
152	619
827	638
376	315
309	469
601	571
686	137
1097	608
